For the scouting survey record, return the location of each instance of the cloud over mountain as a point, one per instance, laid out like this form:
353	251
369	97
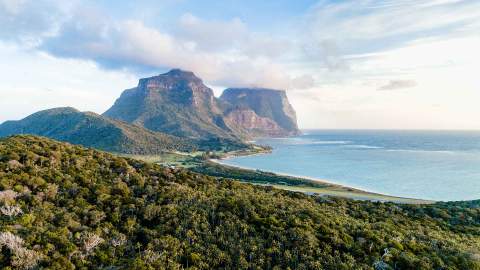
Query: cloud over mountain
223	52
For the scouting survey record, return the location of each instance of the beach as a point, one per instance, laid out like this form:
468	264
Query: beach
328	188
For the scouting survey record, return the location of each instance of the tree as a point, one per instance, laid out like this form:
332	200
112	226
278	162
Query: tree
11	210
90	242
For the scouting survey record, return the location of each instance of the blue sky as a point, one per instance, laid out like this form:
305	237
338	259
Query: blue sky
345	64
257	14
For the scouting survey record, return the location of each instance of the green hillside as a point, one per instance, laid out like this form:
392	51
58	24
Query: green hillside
93	130
68	207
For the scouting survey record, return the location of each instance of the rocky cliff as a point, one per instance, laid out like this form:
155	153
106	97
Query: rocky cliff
260	111
177	103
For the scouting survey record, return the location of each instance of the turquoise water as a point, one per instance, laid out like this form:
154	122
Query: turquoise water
436	165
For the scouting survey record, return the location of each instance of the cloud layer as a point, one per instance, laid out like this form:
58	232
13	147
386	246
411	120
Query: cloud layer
397	84
227	52
222	52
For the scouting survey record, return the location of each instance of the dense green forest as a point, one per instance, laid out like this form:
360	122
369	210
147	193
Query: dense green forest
69	207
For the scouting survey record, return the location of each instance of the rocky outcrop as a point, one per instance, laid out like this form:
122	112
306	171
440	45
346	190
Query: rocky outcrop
260	111
177	103
250	124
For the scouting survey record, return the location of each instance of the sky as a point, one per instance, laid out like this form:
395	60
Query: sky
353	64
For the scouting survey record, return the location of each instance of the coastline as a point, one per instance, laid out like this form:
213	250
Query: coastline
329	188
214	166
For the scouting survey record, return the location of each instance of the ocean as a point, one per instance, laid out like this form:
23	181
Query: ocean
434	165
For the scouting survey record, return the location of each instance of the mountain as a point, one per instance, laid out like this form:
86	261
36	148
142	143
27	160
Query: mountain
67	207
177	103
93	130
260	111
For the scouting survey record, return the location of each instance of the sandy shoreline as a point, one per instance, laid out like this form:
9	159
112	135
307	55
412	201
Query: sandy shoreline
319	180
335	188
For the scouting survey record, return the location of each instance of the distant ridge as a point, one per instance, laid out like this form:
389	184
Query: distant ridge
93	130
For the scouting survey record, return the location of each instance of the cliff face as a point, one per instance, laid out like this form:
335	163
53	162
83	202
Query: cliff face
249	124
260	111
176	103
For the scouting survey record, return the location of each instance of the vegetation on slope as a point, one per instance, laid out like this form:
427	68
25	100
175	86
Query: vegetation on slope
93	130
254	176
68	207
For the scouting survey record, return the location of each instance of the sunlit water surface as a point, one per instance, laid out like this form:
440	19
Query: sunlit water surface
437	165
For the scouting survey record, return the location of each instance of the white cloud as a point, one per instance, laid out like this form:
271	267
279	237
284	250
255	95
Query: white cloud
221	52
230	36
26	21
397	85
133	45
212	35
35	81
369	20
302	82
326	52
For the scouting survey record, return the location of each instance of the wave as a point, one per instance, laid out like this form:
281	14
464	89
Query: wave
299	141
363	146
330	142
422	151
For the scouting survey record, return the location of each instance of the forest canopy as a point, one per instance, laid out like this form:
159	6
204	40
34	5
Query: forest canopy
69	207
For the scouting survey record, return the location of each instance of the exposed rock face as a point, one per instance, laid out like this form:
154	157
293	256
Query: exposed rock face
176	103
250	124
260	111
93	130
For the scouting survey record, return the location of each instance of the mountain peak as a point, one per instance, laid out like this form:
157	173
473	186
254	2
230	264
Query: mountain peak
253	89
254	92
179	103
170	79
61	110
176	102
176	72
